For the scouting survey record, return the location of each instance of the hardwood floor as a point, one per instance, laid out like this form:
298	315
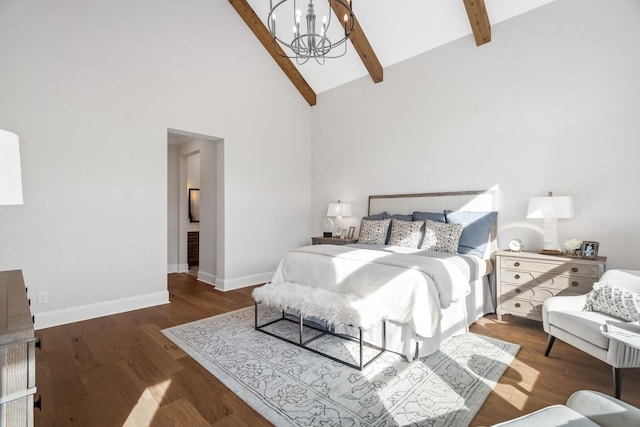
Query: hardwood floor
120	370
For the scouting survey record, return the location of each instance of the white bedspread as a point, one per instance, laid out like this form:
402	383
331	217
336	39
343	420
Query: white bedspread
411	287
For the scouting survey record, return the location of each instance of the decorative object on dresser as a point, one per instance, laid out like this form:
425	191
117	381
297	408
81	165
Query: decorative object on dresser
327	227
572	247
351	232
550	208
589	250
17	353
526	279
332	241
516	245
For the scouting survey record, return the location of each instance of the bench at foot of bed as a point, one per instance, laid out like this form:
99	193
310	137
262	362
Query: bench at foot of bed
318	310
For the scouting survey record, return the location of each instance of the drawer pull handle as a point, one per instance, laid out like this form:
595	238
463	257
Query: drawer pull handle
517	305
517	264
574	283
574	269
518	291
517	276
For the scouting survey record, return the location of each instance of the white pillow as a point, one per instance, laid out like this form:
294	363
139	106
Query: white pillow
441	237
620	303
405	233
373	232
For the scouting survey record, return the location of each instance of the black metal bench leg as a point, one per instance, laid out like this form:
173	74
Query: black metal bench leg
550	342
617	382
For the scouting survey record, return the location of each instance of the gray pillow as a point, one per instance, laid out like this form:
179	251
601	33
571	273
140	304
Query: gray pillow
432	216
373	232
476	232
383	215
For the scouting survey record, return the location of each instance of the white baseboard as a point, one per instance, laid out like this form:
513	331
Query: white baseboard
183	268
172	268
243	282
48	319
208	278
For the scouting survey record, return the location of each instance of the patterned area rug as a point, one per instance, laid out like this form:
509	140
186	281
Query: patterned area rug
291	386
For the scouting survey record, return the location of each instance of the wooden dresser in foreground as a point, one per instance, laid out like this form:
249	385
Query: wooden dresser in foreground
526	279
17	352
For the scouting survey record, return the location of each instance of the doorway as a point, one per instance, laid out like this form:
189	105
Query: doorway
195	183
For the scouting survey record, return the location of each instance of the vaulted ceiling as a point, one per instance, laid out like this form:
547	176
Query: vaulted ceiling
385	33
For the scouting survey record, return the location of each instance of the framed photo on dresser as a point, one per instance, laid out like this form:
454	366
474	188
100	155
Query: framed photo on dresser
589	250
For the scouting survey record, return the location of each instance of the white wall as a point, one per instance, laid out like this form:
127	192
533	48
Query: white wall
91	90
173	207
551	104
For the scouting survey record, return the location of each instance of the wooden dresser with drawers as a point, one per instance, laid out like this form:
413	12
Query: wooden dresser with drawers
17	352
526	279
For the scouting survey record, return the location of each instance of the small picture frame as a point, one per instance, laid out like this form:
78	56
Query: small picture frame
589	250
352	230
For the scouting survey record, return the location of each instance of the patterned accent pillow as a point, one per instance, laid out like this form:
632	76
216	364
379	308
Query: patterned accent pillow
373	232
405	233
441	237
620	303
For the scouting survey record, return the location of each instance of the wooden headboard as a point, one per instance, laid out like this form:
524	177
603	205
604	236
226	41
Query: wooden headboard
482	200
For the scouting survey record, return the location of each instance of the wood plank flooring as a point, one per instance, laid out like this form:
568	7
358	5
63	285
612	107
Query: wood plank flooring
121	371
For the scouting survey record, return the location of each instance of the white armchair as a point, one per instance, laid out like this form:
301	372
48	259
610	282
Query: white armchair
584	408
563	318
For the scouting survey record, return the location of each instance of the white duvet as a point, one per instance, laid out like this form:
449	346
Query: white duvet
408	287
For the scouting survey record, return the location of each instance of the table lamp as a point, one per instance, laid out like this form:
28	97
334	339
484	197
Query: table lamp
550	208
339	210
10	176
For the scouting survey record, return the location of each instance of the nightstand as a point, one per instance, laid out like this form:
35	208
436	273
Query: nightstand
526	279
332	241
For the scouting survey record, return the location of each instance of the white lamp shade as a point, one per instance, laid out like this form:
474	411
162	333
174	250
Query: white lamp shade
10	175
550	207
339	209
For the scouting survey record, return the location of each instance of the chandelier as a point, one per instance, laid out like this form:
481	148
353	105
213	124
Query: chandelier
312	41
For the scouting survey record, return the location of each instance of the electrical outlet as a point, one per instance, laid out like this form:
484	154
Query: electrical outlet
43	297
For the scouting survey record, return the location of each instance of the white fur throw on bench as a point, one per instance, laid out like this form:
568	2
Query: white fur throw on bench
334	307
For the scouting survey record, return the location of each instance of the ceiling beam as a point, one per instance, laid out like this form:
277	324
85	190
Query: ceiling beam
361	44
479	21
247	13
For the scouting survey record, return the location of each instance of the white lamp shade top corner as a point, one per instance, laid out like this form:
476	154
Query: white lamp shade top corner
10	171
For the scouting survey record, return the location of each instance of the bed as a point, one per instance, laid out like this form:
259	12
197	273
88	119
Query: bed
426	295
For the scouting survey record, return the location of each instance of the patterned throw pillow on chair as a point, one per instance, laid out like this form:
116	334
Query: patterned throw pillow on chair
606	298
